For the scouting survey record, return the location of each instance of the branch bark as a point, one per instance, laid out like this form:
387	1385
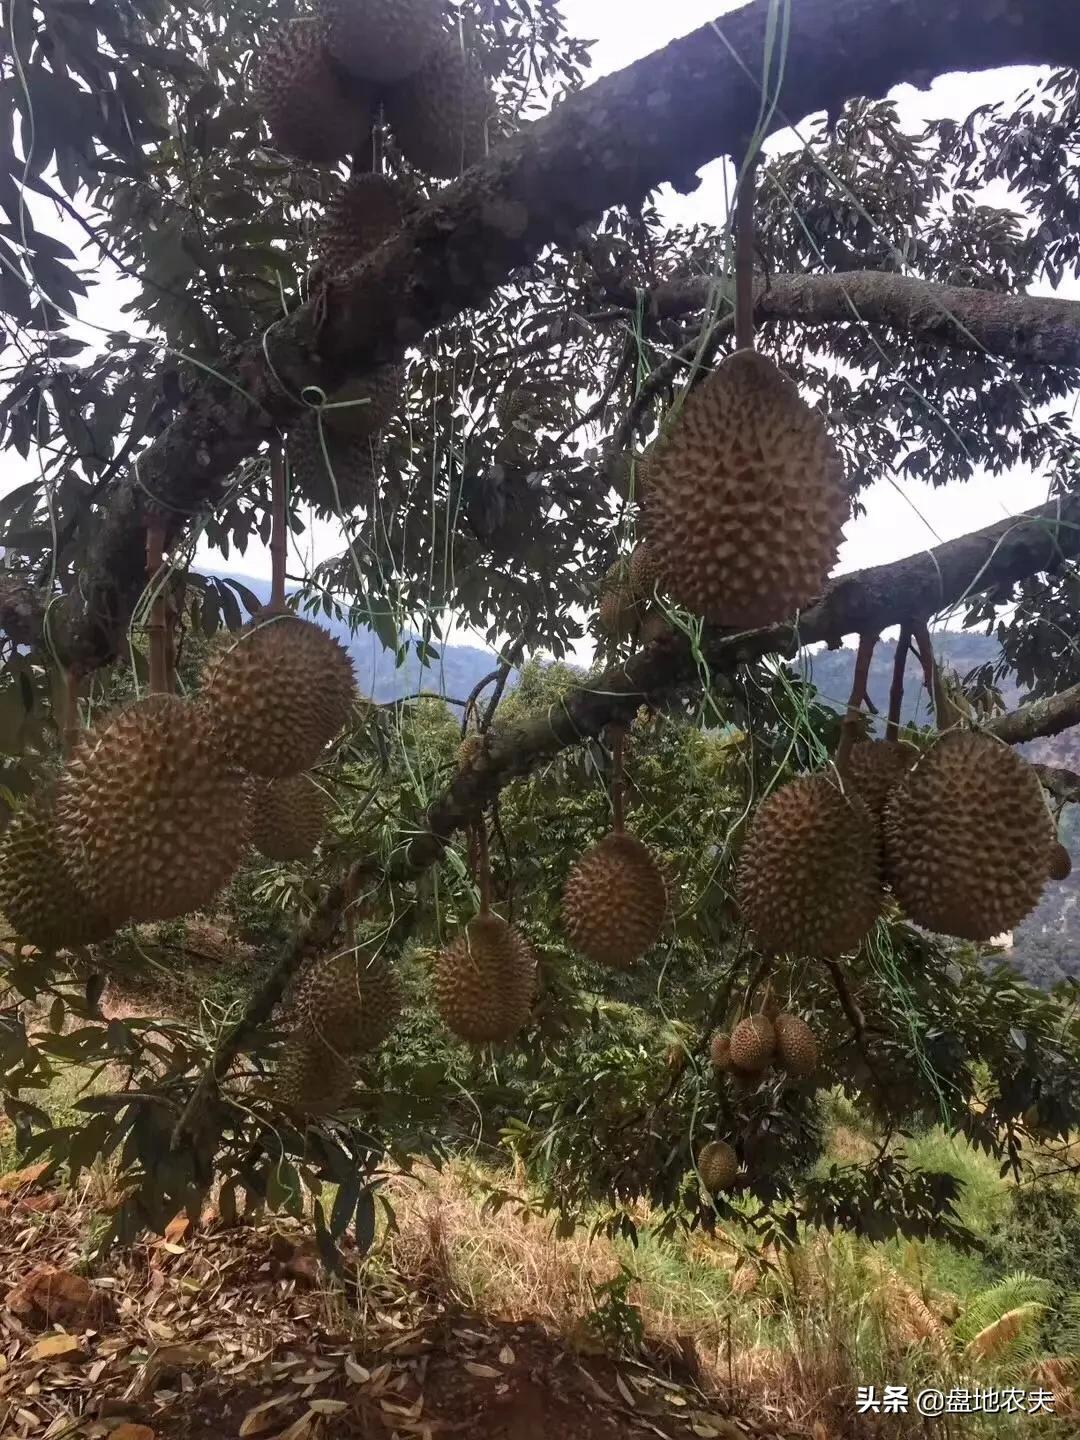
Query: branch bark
1039	719
659	120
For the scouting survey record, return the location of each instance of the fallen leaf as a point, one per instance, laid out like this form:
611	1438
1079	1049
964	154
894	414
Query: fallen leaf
506	1356
23	1179
328	1407
486	1372
625	1391
177	1228
298	1429
58	1347
261	1418
356	1373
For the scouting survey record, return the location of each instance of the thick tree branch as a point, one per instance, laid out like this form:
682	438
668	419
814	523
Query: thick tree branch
1062	784
1041	718
659	120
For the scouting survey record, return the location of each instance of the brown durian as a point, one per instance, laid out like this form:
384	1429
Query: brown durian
38	897
382	40
152	818
312	1078
334	474
968	838
809	875
874	767
720	1050
287	817
471	746
485	981
441	116
654	627
643	574
362	408
796	1045
752	1045
717	1165
746	498
359	217
311	113
615	901
352	1001
1060	863
278	694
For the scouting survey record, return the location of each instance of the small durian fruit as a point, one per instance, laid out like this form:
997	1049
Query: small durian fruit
278	694
746	498
470	748
151	816
642	575
796	1045
720	1050
382	40
968	838
615	901
311	114
312	1078
654	627
38	897
717	1165
359	217
485	981
874	767
441	116
1060	863
287	817
351	1000
619	613
809	874
362	408
752	1045
335	475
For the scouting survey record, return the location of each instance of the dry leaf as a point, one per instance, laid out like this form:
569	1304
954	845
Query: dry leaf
329	1407
22	1179
485	1372
58	1347
261	1417
356	1373
506	1356
298	1429
625	1391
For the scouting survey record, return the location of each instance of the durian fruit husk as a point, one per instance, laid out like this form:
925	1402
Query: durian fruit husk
875	767
441	117
382	40
1060	863
352	1000
968	838
362	408
312	114
718	1165
720	1050
312	1077
615	901
38	897
287	817
619	613
485	981
152	817
643	574
746	498
471	746
809	876
796	1045
277	694
752	1045
337	479
359	217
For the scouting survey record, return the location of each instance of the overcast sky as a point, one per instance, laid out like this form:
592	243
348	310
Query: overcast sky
903	516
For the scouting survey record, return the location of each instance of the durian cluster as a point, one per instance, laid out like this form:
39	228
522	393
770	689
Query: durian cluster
631	593
758	1041
159	800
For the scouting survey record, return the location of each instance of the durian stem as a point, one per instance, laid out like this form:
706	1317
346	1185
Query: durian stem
483	867
70	728
618	782
745	203
155	553
945	712
851	727
896	693
279	531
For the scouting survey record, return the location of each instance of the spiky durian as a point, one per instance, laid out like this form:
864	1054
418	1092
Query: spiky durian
615	901
1060	862
484	982
278	694
875	766
809	874
312	1078
796	1045
361	408
746	498
152	817
334	474
311	113
643	574
441	115
287	817
38	896
382	40
752	1045
720	1050
351	1000
968	838
359	217
718	1165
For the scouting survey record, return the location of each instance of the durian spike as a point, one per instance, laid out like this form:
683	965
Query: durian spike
896	693
155	554
945	712
745	201
851	727
617	734
279	528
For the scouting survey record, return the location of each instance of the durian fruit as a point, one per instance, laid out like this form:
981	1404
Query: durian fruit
615	901
469	748
717	1165
655	626
968	838
441	115
312	1078
278	694
151	815
362	408
351	1000
720	1050
643	574
287	817
746	498
1060	863
809	874
484	982
359	217
619	613
874	767
796	1045
38	897
383	40
338	480
752	1045
312	115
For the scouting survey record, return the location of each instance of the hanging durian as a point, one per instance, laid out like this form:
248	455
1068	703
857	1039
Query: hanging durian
484	982
334	474
796	1045
365	212
287	817
312	1078
38	896
382	40
875	767
752	1045
1060	863
718	1165
441	116
311	113
351	1000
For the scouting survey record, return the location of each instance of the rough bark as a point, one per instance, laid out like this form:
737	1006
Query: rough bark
1039	719
1064	785
659	120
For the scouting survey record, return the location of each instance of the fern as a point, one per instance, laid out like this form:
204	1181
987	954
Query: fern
988	1306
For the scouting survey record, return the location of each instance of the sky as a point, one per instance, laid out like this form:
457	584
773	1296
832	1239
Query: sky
903	516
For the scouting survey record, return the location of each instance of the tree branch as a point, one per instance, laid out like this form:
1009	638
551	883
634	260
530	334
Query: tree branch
1041	718
1064	785
659	120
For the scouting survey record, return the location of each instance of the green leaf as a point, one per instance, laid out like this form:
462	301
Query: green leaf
365	1221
